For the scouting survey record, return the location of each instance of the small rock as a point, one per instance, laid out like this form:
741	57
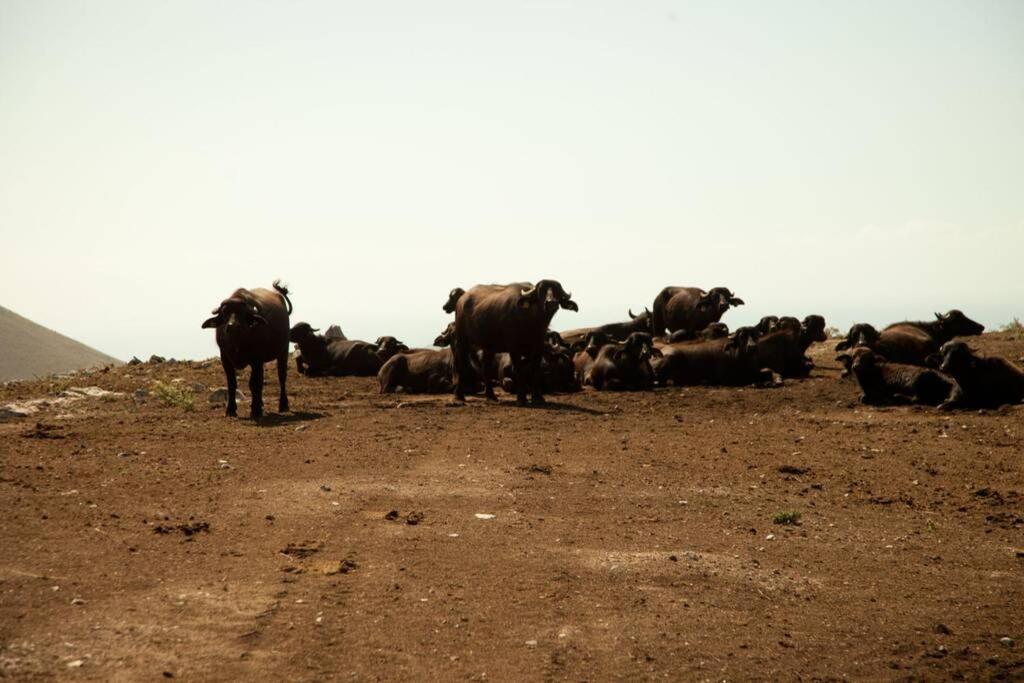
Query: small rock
531	643
770	537
1006	642
484	515
157	359
391	516
77	601
943	629
75	663
135	361
325	487
414	518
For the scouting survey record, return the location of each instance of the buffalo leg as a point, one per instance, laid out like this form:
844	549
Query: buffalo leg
282	380
256	388
460	370
487	370
535	365
232	378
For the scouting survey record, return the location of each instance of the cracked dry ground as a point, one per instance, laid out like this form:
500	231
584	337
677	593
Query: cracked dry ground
632	536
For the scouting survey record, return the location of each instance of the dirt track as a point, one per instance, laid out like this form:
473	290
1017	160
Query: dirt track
632	537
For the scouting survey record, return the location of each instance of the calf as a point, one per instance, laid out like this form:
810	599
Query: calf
252	329
987	381
883	383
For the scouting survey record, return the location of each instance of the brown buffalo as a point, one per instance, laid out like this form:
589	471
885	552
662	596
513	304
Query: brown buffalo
507	318
690	308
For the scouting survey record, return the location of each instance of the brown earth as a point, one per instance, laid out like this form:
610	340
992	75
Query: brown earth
632	536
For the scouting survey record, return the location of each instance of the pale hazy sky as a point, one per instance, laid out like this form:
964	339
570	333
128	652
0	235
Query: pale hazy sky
863	160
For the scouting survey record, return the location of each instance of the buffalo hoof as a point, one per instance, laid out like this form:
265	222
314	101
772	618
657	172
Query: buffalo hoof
231	412
282	407
538	400
491	397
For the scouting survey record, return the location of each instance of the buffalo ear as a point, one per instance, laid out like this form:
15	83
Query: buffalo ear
211	322
934	360
843	345
736	301
524	302
570	305
656	352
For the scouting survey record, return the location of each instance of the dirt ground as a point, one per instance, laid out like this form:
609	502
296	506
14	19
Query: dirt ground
626	535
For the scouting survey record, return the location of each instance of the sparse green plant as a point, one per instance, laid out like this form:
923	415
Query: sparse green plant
1015	327
787	518
171	395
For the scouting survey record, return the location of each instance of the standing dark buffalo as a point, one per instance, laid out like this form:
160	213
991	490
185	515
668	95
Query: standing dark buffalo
252	329
507	318
690	308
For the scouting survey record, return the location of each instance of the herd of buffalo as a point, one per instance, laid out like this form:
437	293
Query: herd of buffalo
501	334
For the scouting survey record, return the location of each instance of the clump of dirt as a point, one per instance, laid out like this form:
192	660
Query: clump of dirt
188	528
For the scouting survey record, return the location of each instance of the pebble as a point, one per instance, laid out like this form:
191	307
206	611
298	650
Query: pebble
531	643
770	537
1006	642
484	515
75	663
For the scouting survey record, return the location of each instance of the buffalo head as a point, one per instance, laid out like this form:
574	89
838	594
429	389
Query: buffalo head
861	334
235	317
302	331
957	358
814	327
549	294
718	299
389	346
956	324
446	337
453	298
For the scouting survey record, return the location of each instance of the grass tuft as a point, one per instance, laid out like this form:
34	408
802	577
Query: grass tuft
171	395
787	518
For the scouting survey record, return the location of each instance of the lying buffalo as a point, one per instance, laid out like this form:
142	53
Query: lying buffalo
690	308
911	342
614	331
624	365
322	357
420	371
987	381
507	318
783	350
252	329
720	362
884	383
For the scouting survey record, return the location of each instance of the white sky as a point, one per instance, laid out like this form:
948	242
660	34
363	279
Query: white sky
860	160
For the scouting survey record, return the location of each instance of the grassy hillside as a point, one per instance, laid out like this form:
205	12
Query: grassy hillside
28	350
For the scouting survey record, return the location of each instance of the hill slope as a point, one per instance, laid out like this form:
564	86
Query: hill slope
28	350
